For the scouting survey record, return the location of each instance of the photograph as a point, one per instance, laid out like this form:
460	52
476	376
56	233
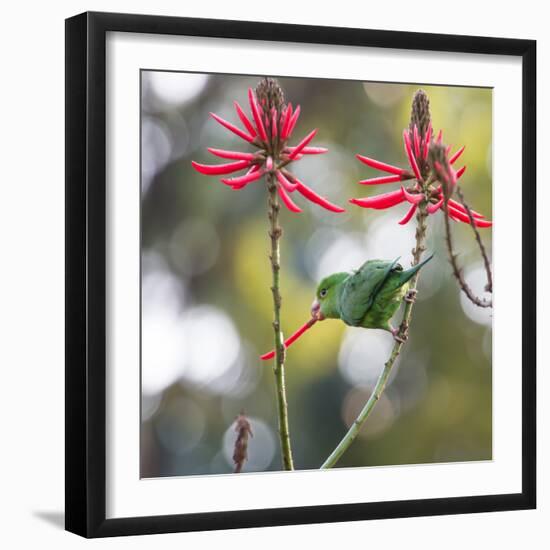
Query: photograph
316	274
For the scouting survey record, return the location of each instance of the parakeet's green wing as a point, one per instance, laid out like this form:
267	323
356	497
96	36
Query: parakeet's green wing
360	289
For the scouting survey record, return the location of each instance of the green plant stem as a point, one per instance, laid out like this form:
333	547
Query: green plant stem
355	428
275	233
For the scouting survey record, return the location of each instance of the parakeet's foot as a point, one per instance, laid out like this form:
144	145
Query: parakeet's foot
410	297
398	337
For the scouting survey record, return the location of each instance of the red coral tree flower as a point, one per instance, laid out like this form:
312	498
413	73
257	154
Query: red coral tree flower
268	128
427	178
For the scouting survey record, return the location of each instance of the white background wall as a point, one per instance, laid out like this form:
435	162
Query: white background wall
32	272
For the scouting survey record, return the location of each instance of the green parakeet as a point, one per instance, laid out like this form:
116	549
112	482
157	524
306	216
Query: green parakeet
367	297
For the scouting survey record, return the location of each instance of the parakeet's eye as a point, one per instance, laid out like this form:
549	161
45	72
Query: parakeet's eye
323	292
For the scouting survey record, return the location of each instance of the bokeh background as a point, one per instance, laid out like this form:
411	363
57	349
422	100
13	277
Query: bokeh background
206	300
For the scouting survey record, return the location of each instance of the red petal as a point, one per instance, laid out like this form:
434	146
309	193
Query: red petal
453	159
232	128
433	208
243	180
218	169
237	155
292	123
460	171
302	144
462	208
382	179
412	160
237	186
286	122
413	198
291	339
452	216
289	186
309	150
483	223
440	136
256	114
381	165
462	217
245	120
309	194
289	203
407	217
380	202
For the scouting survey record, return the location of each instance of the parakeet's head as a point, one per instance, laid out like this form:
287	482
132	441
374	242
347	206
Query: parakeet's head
325	305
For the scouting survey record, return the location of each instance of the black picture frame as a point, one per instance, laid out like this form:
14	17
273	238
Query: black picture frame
86	274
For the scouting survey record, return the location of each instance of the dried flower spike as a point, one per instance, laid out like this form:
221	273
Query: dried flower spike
240	452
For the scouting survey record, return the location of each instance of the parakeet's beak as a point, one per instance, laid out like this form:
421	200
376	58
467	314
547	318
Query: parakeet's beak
316	310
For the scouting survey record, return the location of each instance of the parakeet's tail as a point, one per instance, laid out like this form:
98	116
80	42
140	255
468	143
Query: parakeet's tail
408	274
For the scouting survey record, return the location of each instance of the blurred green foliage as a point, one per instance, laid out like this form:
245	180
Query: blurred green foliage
206	245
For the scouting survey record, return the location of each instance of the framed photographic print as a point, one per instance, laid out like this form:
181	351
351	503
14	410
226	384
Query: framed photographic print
300	274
